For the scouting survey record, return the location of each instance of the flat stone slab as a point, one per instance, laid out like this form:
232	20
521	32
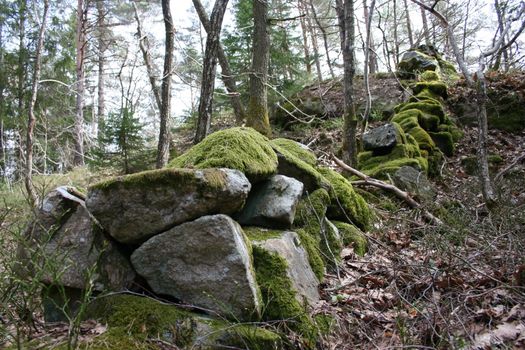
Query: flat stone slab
205	263
272	203
65	247
135	207
303	279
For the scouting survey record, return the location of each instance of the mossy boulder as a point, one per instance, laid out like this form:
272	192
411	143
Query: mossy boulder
296	149
470	164
352	236
427	106
345	203
294	162
415	61
443	141
437	88
429	76
382	139
135	207
423	139
381	170
135	321
240	148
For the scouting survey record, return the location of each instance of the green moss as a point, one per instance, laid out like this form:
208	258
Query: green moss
381	170
457	133
331	244
249	337
399	151
400	135
345	203
470	164
278	295
312	208
311	243
291	165
435	160
325	323
429	76
443	141
423	163
426	106
362	157
423	138
296	149
243	149
261	234
428	122
448	71
351	235
257	116
437	88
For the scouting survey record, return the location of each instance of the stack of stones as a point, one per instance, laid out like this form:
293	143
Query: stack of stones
420	131
239	227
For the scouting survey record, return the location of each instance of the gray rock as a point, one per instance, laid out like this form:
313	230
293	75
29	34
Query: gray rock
205	263
272	203
415	182
64	246
381	139
303	279
135	207
414	61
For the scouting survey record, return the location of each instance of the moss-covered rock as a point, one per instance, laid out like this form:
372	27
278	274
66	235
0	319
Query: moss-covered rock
134	321
437	88
414	62
345	203
352	236
470	164
279	296
429	76
427	106
381	170
423	138
243	149
443	141
296	149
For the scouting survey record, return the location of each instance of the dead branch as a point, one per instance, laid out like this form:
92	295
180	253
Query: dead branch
509	167
405	196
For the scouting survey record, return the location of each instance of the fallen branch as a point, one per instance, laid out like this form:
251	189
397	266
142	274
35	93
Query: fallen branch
509	167
367	180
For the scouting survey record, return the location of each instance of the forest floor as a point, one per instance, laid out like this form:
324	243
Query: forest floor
420	286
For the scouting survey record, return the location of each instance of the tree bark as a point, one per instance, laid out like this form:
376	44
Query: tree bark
372	57
426	30
33	196
257	107
302	13
78	158
209	69
102	47
150	68
163	149
368	64
226	74
409	25
345	15
325	39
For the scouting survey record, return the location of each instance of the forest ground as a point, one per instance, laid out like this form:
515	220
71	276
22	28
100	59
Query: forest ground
459	285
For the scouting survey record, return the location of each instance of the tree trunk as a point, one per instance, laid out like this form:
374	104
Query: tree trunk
315	46
372	57
345	15
226	74
409	25
396	37
33	196
301	7
150	68
78	158
163	149
208	71
102	46
22	55
367	70
426	31
257	107
325	39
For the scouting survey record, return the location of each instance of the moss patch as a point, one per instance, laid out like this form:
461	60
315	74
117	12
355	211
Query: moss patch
381	170
296	149
278	295
434	87
443	141
423	138
345	203
243	149
311	243
427	106
261	234
351	235
429	76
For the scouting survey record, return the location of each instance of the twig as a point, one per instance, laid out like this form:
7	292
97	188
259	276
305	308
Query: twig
388	187
509	167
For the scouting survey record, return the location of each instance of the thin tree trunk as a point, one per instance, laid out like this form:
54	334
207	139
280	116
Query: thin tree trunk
102	46
302	13
33	196
150	68
78	158
409	25
396	38
372	57
226	74
315	45
426	31
368	21
22	55
325	39
464	41
345	14
209	69
163	149
258	104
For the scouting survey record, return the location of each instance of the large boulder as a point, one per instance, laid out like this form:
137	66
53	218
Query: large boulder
243	149
414	181
416	61
288	245
206	263
64	246
272	203
135	207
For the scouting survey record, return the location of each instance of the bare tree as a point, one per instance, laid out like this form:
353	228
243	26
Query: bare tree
368	65
33	196
480	87
325	38
163	149
226	74
345	15
208	70
257	117
78	158
302	13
